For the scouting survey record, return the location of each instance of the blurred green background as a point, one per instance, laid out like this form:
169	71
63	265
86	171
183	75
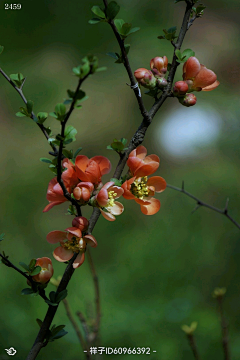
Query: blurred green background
158	272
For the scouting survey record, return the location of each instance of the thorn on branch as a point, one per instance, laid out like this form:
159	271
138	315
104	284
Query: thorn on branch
21	87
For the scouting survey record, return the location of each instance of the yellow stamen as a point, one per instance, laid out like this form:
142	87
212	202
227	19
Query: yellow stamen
111	195
75	244
139	187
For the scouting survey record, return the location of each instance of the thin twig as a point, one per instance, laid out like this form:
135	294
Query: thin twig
75	325
193	346
201	203
28	277
224	326
84	325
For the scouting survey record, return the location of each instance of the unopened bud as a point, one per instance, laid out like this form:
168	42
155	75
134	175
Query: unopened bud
46	270
80	222
161	82
180	88
188	100
159	65
145	78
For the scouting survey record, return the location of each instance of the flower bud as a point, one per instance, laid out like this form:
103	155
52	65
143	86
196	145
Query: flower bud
80	222
188	100
180	88
46	270
145	78
159	65
161	82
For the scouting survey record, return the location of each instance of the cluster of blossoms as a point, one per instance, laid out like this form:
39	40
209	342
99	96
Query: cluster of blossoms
196	77
83	180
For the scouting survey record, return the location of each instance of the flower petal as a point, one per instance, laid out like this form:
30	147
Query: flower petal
79	260
211	87
158	182
118	190
102	197
152	208
204	78
74	231
52	204
61	254
191	68
116	209
104	164
90	239
56	236
108	215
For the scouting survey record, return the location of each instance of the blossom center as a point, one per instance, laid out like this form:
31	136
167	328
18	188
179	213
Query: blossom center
111	196
75	244
139	187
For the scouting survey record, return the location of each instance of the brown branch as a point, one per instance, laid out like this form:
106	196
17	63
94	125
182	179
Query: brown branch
28	277
193	346
33	116
201	203
84	325
224	326
74	324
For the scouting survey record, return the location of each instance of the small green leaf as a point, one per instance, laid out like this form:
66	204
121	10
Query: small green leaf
124	141
77	152
109	147
39	322
119	23
36	270
25	266
178	54
20	114
94	21
161	37
2	236
29	106
98	11
103	68
77	70
112	10
117	146
62	295
172	30
55	330
42	116
70	133
52	296
46	160
176	1
113	55
58	335
32	263
125	29
116	182
186	54
85	69
53	114
60	109
133	30
51	303
68	154
1	49
27	291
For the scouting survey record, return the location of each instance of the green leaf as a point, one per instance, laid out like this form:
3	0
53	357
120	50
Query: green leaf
25	266
39	322
48	130
20	114
109	147
2	236
17	79
1	49
172	30
61	295
27	291
117	145
77	70
52	296
42	116
98	11
124	141
103	68
127	48
68	154
60	109
55	330
36	270
29	106
77	152
51	303
116	182
58	335
46	160
53	114
186	54
32	263
161	37
178	54
112	10
125	29
113	55
94	21
133	30
85	69
119	23
70	133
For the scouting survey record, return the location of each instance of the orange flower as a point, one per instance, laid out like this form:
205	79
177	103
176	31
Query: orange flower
83	191
159	65
46	270
140	164
54	194
91	170
198	77
75	243
106	200
69	175
142	190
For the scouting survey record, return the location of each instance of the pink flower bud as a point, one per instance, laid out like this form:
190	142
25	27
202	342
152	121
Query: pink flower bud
46	270
188	100
180	88
80	222
145	78
161	82
159	65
